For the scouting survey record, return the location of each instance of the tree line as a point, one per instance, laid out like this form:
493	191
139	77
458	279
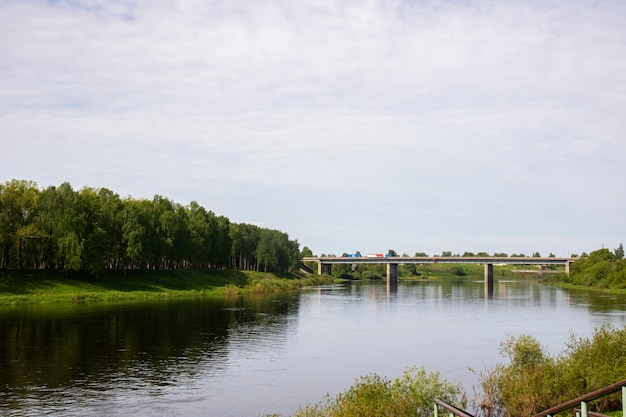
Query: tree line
601	268
94	229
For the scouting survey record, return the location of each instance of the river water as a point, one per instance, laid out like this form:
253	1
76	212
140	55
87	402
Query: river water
254	355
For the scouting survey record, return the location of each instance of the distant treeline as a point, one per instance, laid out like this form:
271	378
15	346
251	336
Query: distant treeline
94	229
601	269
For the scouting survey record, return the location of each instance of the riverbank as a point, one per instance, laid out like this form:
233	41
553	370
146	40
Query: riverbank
34	287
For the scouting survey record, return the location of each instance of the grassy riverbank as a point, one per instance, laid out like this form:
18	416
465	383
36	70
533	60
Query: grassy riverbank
29	287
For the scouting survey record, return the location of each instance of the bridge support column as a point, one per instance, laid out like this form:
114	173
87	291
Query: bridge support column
392	272
567	265
324	268
489	278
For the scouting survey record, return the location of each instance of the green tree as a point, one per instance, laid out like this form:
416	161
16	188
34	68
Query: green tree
595	269
69	228
93	229
200	235
524	386
619	252
306	252
222	243
410	269
266	250
245	239
17	201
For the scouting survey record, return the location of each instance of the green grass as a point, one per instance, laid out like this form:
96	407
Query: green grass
18	287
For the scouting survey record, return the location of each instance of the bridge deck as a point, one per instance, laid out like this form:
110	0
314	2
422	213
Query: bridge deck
495	260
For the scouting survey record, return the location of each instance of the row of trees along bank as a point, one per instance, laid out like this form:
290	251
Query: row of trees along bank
94	229
601	269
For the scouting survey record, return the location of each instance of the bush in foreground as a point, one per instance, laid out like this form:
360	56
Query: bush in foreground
374	396
534	381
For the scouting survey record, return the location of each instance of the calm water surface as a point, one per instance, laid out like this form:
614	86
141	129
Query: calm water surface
253	355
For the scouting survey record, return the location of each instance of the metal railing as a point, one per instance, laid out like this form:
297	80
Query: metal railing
583	401
580	404
591	413
452	409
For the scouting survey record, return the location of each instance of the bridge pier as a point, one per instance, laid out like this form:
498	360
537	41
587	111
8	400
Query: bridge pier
489	278
392	278
323	268
567	266
392	273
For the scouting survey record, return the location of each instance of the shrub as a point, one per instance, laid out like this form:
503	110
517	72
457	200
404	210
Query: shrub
374	396
457	270
533	381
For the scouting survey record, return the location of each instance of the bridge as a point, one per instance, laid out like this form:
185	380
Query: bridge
325	263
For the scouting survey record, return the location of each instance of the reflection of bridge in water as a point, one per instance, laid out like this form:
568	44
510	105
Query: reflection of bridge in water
325	263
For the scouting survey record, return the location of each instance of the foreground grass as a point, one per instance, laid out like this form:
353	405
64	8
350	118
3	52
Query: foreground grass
30	287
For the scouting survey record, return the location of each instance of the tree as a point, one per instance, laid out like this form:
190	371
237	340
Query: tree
245	239
17	201
619	252
69	227
410	269
133	232
266	251
306	252
93	229
222	242
599	269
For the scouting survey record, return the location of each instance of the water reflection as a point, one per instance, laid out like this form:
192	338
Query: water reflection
141	345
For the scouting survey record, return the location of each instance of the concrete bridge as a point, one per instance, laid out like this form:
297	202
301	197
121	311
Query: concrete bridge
325	263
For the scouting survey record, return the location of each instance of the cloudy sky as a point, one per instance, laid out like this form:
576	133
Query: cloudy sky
413	125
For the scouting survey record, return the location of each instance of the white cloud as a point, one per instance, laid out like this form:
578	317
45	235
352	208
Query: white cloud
470	114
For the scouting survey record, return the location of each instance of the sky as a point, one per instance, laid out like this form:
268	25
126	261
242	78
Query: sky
351	125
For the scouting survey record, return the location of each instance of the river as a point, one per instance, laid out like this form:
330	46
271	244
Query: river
254	355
